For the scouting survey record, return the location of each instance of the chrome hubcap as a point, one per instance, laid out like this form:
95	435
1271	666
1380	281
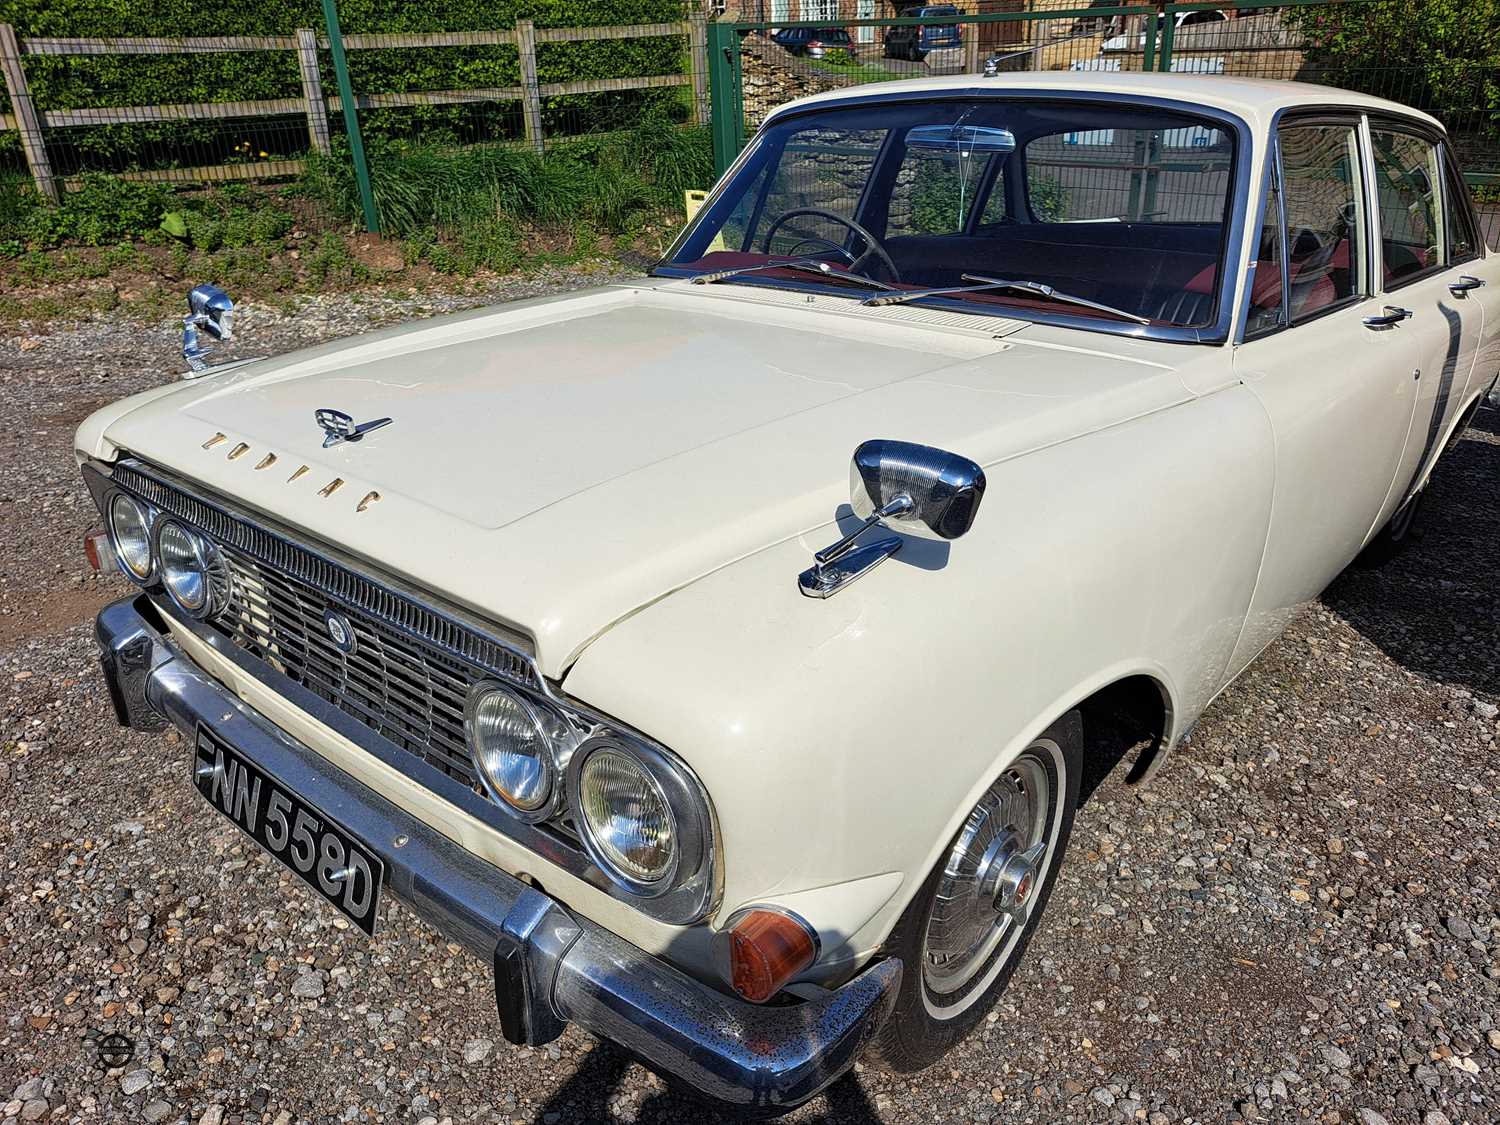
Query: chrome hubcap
991	876
1007	875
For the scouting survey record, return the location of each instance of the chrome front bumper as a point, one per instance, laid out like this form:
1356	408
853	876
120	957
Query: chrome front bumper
551	968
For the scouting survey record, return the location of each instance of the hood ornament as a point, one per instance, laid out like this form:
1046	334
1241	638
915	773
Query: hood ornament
211	312
338	426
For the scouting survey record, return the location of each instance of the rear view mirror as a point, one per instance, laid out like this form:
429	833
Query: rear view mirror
901	486
960	139
915	488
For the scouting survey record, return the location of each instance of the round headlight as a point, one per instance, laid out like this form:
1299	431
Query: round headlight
509	742
626	816
184	560
130	531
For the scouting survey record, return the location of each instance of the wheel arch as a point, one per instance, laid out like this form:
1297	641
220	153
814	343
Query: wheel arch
1134	713
1461	420
1133	701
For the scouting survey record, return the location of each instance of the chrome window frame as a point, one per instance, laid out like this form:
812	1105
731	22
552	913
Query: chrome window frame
1274	165
1219	332
1271	176
697	889
1453	180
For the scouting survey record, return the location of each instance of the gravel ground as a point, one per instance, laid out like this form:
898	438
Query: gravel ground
1295	921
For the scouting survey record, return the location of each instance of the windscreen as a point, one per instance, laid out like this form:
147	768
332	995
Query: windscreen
1121	212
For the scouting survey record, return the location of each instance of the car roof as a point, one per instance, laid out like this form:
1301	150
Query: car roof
1256	100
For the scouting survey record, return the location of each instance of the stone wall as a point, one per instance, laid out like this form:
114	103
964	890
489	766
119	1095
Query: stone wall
770	77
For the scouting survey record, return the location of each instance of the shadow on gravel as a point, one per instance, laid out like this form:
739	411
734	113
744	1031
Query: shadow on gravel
1435	609
1487	421
588	1094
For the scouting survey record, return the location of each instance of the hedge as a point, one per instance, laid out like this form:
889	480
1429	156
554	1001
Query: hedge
116	80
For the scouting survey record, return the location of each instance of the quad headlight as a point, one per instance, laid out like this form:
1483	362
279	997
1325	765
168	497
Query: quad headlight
130	533
641	815
626	816
511	740
187	564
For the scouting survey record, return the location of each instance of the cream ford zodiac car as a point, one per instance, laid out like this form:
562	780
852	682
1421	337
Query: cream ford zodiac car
572	624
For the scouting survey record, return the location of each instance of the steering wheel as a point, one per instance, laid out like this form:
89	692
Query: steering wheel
873	248
826	243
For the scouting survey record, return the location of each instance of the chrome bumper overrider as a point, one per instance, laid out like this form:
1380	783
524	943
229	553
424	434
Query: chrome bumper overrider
550	967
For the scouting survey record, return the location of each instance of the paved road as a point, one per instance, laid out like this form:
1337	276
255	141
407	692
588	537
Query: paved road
1297	921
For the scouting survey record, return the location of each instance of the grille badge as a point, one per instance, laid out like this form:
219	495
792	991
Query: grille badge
340	631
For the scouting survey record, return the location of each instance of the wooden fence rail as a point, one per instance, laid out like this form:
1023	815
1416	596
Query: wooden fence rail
32	122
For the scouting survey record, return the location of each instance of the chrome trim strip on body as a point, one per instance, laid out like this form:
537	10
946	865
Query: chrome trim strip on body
1233	247
695	894
572	970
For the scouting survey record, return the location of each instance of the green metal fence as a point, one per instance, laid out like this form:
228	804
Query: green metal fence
360	83
121	91
1363	45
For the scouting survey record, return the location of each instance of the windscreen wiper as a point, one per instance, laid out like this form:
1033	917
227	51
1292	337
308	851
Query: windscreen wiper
806	265
983	284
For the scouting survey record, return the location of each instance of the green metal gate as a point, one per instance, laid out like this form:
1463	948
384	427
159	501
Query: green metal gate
754	66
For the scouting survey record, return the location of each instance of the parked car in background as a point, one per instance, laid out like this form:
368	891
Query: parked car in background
716	655
914	41
812	42
1182	19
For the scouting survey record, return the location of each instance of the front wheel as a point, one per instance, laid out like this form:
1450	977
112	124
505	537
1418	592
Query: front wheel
965	931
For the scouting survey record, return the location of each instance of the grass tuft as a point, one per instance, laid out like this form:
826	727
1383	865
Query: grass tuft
444	210
615	182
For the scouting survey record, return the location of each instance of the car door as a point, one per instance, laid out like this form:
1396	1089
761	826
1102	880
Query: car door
1423	272
1337	384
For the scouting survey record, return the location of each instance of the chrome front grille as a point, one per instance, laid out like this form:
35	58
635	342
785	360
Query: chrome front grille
411	666
352	589
411	693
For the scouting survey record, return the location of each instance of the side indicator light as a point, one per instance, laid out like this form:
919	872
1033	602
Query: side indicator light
96	548
767	948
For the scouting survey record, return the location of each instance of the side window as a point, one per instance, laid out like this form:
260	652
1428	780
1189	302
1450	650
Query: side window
821	168
934	192
1324	218
1407	179
1265	312
995	208
1463	240
736	231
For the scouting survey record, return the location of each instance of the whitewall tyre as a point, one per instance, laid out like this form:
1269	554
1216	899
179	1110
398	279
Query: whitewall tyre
964	932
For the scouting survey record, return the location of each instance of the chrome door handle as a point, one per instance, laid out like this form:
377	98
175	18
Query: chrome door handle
1464	284
1394	314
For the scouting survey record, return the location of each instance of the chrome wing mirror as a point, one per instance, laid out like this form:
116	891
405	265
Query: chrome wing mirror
904	487
210	311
